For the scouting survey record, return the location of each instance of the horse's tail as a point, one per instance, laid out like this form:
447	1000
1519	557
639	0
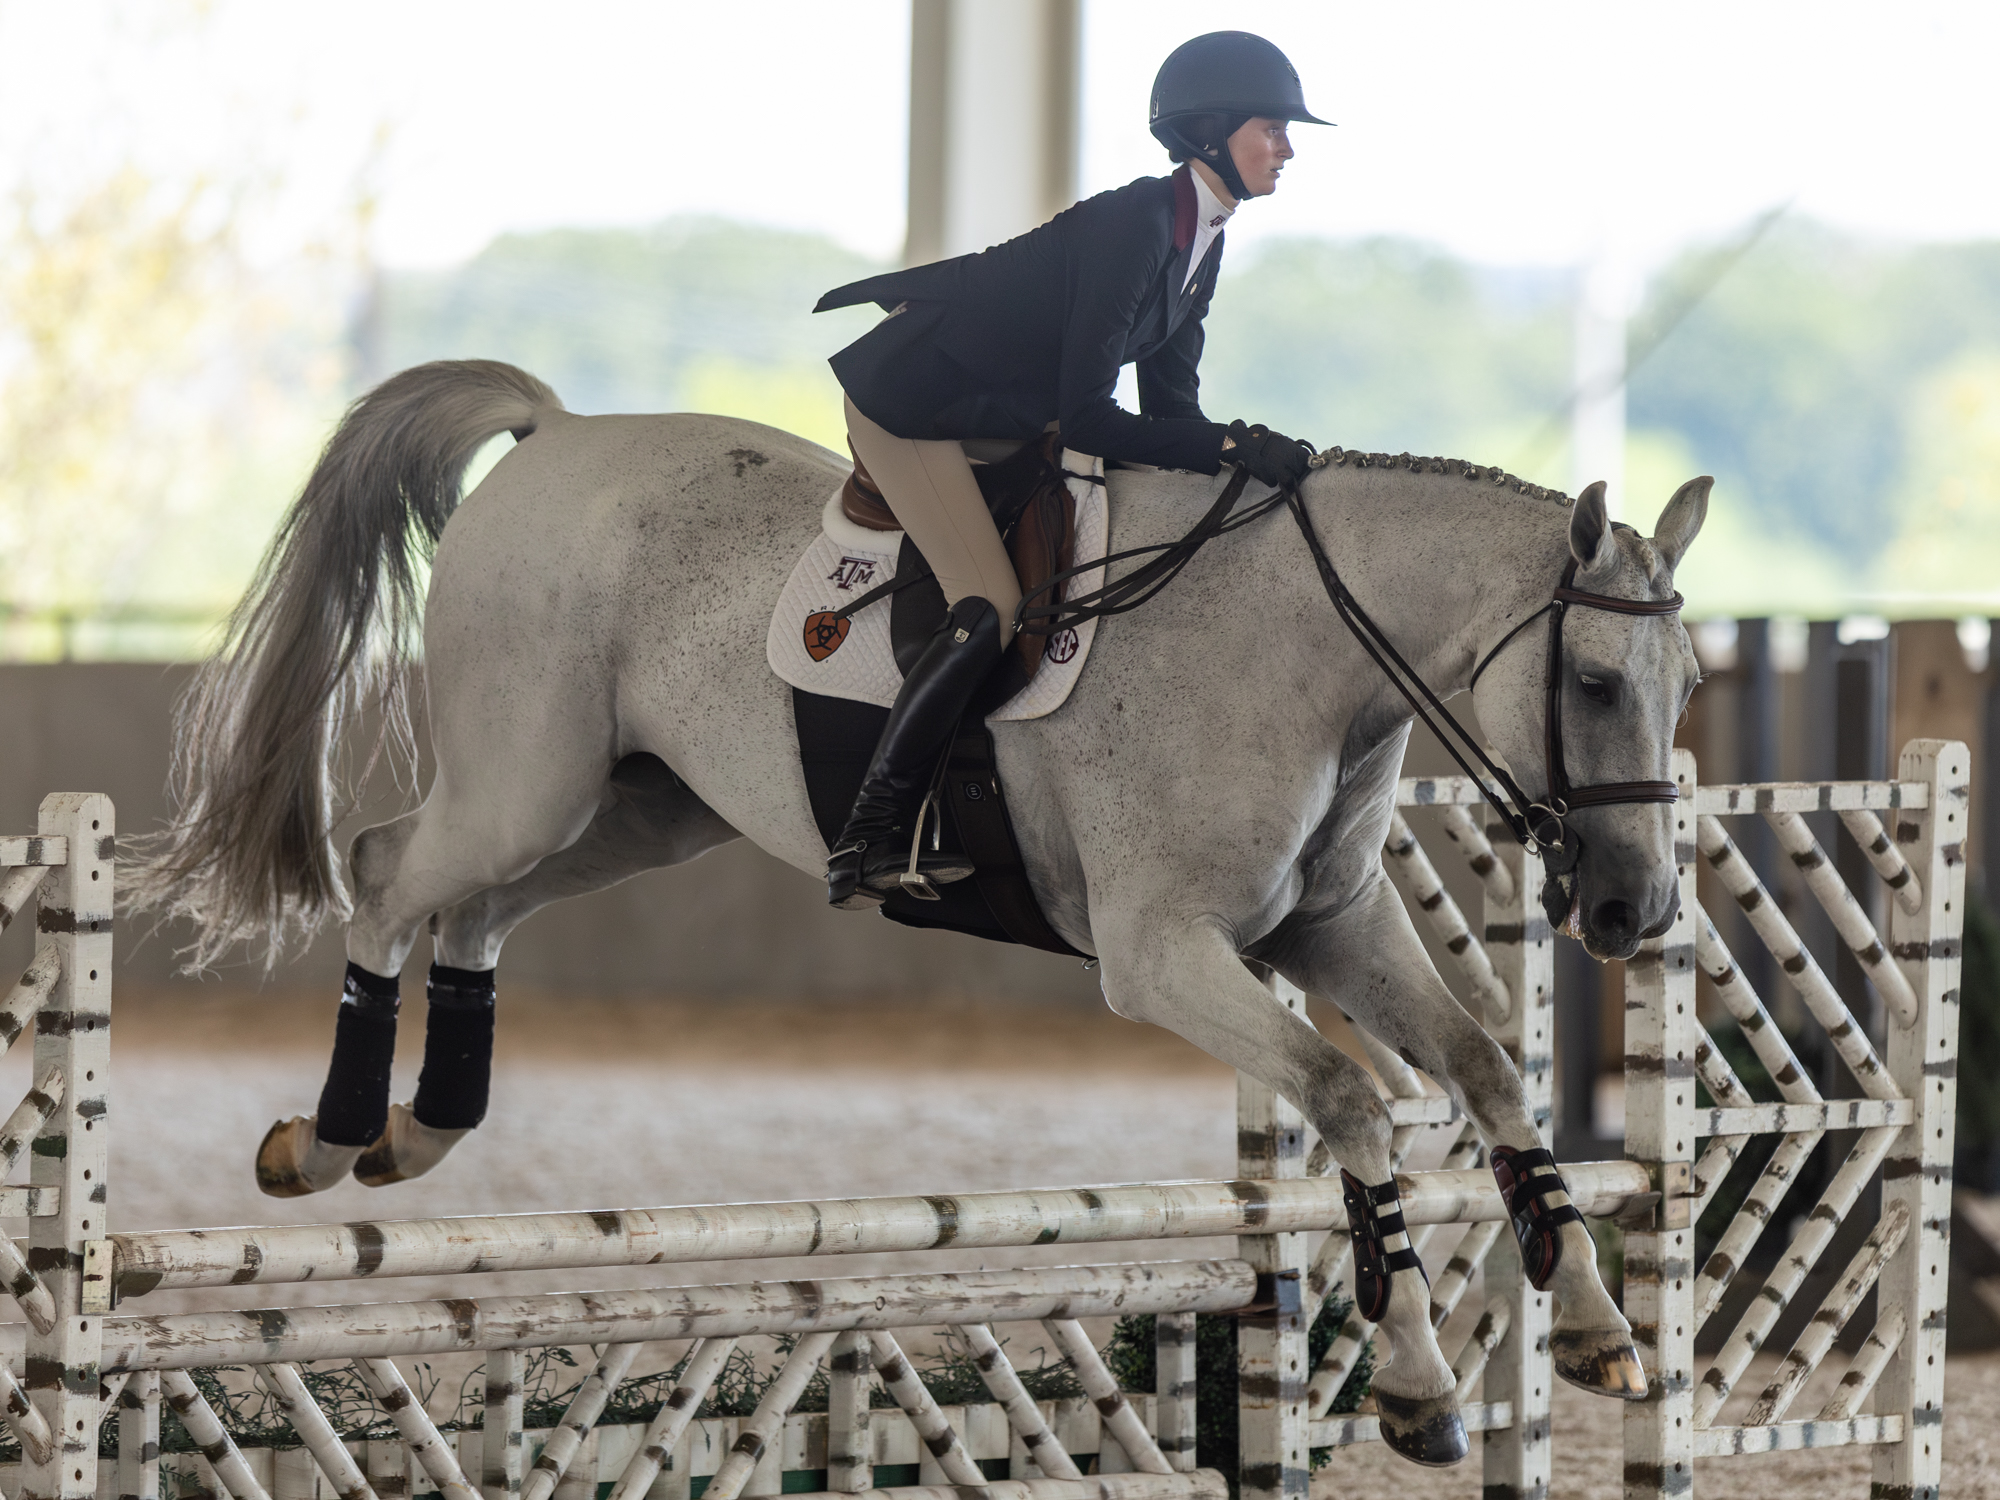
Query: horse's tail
326	628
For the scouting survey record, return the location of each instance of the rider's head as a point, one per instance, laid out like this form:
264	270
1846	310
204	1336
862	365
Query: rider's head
1224	100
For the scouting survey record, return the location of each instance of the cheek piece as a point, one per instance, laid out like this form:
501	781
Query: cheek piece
354	1105
458	1049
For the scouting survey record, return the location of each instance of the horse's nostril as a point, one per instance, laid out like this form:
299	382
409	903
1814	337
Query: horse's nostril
1615	919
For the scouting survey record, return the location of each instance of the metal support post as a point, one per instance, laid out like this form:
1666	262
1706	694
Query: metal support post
1516	1458
1923	1060
1273	1425
1660	1035
72	1033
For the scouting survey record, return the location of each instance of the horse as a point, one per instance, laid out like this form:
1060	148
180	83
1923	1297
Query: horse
1217	788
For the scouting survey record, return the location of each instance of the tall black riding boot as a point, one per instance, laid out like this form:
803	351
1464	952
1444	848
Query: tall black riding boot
872	858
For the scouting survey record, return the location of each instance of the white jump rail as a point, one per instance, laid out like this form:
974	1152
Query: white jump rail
89	1351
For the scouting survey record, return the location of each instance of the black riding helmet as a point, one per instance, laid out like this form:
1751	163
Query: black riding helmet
1208	87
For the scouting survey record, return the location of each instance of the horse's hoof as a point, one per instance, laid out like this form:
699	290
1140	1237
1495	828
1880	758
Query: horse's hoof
1601	1361
293	1161
406	1148
1424	1429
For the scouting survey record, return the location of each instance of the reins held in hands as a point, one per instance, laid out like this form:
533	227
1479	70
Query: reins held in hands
1539	826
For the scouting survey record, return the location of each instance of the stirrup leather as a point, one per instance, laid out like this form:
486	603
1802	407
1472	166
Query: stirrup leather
1373	1215
1525	1188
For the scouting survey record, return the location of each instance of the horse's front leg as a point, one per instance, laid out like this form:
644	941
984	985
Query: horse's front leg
1185	974
1370	961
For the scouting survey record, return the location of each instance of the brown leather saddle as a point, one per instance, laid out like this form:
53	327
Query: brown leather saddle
1030	501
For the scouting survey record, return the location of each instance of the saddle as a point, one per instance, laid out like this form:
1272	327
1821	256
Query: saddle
1033	508
1030	501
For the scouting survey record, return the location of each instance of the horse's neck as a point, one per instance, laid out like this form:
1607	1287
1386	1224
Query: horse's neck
1446	567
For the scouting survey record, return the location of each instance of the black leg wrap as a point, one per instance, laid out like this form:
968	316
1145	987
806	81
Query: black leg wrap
354	1105
458	1049
1373	1215
1524	1188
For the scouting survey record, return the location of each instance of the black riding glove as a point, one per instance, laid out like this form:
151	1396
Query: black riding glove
1271	457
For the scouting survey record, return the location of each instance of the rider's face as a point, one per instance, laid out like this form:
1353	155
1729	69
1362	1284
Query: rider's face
1260	149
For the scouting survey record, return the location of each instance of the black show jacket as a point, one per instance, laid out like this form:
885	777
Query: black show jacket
999	344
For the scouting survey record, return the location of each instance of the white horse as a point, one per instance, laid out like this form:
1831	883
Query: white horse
1217	788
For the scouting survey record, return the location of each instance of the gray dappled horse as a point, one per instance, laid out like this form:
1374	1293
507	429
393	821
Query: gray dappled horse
1218	786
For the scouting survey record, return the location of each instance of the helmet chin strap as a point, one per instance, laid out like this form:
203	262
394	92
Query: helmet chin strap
1216	158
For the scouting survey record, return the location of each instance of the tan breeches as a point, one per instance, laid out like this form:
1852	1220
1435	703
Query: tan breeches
929	485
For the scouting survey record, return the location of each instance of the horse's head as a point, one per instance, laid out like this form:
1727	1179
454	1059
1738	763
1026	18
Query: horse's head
1623	682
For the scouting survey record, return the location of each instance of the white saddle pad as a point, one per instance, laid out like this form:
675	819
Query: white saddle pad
812	651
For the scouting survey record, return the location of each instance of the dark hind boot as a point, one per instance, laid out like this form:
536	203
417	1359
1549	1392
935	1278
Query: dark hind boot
872	857
310	1153
452	1090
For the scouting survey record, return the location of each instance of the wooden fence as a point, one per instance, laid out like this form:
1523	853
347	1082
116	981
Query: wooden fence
84	1358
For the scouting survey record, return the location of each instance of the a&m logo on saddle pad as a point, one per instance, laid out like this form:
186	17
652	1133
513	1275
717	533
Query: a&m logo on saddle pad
853	573
824	630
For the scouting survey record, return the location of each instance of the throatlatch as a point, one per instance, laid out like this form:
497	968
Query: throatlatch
1526	1179
1374	1217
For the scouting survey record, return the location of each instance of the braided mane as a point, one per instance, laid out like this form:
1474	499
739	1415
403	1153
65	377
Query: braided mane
1338	457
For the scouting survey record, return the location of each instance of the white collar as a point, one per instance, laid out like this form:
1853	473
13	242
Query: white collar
1210	212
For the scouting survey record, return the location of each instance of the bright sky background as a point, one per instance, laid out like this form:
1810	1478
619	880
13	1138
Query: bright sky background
1528	134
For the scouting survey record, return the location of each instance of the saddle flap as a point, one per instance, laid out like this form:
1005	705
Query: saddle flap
1030	503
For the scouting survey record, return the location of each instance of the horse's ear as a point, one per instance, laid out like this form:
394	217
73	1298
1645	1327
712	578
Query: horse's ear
1590	528
1680	522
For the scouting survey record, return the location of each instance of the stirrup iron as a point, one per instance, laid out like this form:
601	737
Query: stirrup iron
1525	1188
913	881
1374	1216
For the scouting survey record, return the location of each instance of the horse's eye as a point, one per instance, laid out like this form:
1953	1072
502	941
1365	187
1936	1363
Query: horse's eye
1596	689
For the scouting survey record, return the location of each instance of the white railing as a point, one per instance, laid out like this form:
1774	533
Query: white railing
87	1355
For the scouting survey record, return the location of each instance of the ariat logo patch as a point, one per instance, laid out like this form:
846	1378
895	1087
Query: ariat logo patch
853	573
824	633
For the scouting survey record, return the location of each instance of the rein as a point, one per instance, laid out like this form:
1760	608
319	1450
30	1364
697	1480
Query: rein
1142	583
1540	827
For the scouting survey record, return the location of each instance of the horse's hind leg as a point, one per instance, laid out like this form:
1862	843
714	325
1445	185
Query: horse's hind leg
497	808
1373	964
649	819
1186	976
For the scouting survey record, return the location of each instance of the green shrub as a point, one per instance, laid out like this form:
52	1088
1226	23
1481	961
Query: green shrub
1132	1357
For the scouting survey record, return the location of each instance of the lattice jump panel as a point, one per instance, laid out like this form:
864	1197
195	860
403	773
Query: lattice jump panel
1903	1116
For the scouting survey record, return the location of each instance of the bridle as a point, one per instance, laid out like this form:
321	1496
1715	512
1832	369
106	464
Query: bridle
1541	827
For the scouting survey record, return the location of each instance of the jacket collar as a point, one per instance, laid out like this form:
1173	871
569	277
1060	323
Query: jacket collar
1186	209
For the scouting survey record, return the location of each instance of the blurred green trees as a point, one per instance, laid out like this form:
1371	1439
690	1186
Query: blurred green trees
694	315
1387	346
1845	395
1812	376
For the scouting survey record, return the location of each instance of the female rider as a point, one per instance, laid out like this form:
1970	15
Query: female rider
1033	331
